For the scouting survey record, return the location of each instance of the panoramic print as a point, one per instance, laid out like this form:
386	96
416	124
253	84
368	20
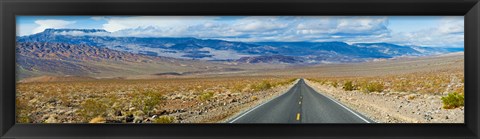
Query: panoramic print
239	69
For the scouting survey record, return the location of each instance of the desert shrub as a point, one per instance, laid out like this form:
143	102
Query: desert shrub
373	87
238	88
453	100
400	84
206	96
292	80
281	83
348	86
22	110
264	85
114	105
334	84
91	108
321	82
164	119
65	100
254	98
147	101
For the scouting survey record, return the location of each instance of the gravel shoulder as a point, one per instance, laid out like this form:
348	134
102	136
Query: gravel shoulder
394	107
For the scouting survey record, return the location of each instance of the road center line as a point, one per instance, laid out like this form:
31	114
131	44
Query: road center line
298	116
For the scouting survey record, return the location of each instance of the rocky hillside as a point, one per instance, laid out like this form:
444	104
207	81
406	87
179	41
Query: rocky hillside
74	52
60	59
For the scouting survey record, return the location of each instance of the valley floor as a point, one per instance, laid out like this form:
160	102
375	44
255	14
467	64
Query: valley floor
406	90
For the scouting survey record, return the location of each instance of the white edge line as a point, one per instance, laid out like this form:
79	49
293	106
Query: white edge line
343	106
262	104
348	109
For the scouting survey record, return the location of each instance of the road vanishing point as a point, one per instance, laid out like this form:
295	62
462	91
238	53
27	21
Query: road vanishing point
301	104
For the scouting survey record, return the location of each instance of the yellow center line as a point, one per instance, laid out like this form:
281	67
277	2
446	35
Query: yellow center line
298	116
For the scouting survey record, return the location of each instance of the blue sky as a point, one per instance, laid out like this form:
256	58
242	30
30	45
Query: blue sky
434	31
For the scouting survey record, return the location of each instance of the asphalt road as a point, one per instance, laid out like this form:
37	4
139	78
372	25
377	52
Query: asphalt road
301	104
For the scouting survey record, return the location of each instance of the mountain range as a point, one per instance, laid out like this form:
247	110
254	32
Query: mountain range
52	58
74	51
211	49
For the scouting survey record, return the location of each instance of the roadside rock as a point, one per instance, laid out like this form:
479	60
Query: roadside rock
52	119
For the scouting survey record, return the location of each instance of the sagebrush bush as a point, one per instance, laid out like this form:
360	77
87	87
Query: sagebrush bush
237	88
22	110
373	87
334	84
348	86
206	96
291	80
284	82
147	101
91	108
453	100
264	85
164	119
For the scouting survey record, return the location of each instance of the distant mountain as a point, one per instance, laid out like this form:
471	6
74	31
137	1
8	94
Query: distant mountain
220	50
73	52
53	58
277	59
387	49
56	36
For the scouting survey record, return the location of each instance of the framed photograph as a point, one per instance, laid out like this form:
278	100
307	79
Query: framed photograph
239	69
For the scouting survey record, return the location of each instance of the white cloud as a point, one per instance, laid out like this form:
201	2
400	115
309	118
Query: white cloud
167	22
449	32
44	24
350	29
259	24
98	18
25	29
248	28
451	25
81	33
363	25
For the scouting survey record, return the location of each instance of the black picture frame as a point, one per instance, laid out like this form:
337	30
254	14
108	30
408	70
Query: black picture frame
470	9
